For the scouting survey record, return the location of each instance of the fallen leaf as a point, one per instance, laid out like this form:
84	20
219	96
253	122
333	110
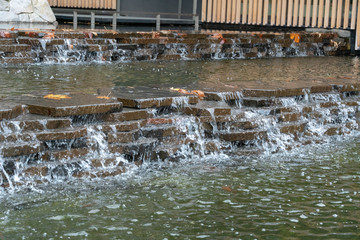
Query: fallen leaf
103	97
56	96
295	37
12	29
226	188
199	93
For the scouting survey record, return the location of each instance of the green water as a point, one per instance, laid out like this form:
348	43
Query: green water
312	193
229	75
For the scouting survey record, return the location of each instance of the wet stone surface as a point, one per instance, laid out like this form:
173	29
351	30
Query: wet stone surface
72	105
76	128
144	97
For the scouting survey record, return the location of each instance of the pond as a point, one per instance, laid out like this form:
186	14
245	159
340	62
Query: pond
213	75
312	192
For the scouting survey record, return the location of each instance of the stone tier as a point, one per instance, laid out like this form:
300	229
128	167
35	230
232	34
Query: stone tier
31	46
93	136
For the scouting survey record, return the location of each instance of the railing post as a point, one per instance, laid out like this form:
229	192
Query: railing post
118	6
92	20
75	20
197	23
114	22
194	8
179	9
158	22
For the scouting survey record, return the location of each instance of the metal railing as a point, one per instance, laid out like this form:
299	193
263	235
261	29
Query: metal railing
115	15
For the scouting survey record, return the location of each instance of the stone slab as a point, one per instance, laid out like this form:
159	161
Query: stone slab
146	97
9	110
18	149
243	135
129	114
76	105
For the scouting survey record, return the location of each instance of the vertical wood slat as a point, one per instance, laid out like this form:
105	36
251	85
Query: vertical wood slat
339	13
353	14
233	10
283	13
214	11
244	12
278	12
327	13
250	11
301	13
314	13
296	13
238	11
223	11
273	12
346	14
321	13
218	11
209	11
333	13
259	12
266	12
203	10
254	14
228	11
357	45
289	12
307	14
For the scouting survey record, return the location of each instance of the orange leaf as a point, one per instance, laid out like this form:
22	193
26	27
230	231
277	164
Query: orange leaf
199	93
226	188
12	29
295	37
56	96
103	97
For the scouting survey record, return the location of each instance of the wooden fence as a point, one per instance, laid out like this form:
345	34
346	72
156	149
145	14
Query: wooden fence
95	4
339	14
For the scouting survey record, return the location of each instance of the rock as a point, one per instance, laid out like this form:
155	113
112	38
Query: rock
34	11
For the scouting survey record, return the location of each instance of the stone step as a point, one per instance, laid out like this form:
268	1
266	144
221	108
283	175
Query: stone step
62	134
292	128
17	60
129	114
222	118
15	48
273	92
18	149
242	124
56	155
126	126
289	117
260	102
241	136
30	122
145	97
135	151
160	132
9	110
207	108
123	137
72	105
